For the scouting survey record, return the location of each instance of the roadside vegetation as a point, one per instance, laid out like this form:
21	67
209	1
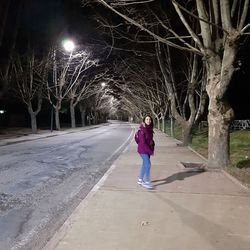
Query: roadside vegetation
239	165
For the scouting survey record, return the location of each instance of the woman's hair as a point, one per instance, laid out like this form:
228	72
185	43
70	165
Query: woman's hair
144	118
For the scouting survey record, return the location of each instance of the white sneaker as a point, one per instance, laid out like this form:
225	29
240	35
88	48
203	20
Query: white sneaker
140	181
147	185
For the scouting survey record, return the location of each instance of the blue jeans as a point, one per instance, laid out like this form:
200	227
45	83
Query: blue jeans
145	168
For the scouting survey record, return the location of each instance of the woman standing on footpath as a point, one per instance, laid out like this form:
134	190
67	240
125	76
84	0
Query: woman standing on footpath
144	139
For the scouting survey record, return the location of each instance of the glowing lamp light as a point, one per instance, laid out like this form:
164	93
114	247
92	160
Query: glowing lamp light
68	45
103	84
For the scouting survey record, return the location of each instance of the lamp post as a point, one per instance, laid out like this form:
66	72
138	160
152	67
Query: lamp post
68	46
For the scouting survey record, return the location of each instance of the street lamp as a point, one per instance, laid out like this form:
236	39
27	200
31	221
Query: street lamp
68	45
103	84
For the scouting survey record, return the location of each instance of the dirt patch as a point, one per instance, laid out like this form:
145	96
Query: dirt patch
195	166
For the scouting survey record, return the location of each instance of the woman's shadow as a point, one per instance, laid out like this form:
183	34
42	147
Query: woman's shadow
176	177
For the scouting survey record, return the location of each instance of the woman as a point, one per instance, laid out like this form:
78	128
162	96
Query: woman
144	139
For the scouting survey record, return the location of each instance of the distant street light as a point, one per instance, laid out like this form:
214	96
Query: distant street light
103	84
68	45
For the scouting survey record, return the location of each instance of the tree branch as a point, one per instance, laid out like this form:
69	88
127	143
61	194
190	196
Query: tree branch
189	29
158	38
244	15
225	14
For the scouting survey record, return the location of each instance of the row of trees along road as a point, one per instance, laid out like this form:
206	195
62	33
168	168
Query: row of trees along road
56	76
211	31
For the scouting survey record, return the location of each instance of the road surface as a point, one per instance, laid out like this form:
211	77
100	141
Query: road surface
42	181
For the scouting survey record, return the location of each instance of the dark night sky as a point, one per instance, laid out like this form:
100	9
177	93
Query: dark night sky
239	90
59	18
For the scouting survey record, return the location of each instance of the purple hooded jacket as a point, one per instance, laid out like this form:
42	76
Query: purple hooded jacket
145	139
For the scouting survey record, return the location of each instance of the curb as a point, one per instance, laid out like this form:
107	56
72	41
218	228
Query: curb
62	231
234	180
229	176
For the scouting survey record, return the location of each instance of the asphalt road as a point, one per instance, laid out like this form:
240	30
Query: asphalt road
42	181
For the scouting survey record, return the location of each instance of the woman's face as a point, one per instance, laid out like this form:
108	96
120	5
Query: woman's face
148	120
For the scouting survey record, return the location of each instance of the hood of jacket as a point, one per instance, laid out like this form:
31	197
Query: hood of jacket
146	128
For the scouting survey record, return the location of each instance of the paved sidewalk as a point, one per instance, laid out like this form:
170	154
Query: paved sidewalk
187	210
25	136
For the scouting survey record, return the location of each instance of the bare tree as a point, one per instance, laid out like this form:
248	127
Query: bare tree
188	98
67	72
132	83
83	88
221	25
181	96
146	82
93	105
29	87
30	75
135	99
148	86
220	32
133	107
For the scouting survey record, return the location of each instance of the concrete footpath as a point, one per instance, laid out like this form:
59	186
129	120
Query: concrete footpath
187	210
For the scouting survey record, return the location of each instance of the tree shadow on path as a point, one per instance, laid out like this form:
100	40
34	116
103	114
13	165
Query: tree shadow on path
176	177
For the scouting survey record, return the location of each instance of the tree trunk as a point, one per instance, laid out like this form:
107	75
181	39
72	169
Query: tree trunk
33	117
33	123
90	120
220	113
172	126
72	115
95	118
158	123
163	128
187	134
83	114
57	119
218	137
